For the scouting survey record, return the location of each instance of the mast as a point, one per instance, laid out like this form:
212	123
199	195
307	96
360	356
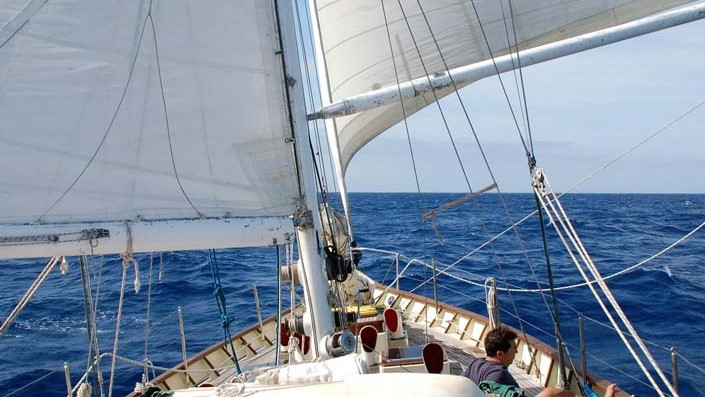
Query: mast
331	126
318	318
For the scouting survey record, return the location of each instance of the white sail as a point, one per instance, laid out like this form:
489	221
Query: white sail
197	128
358	58
209	90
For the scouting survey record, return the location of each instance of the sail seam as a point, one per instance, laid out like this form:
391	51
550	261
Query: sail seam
110	124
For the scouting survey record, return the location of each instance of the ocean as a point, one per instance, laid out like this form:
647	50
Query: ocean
663	297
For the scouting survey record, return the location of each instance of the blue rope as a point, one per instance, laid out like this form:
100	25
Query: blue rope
222	309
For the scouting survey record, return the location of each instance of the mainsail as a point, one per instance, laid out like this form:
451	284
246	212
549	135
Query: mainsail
139	110
358	58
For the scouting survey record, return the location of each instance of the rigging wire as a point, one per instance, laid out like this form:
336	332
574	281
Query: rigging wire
125	266
433	91
311	98
554	299
531	163
489	168
516	288
499	77
406	129
516	224
523	103
564	228
536	328
634	147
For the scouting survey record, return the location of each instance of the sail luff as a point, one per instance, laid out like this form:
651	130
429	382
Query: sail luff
468	74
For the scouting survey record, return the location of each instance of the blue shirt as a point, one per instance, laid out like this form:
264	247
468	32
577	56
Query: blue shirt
480	370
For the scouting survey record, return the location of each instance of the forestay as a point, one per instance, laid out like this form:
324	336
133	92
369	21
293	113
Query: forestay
139	110
358	59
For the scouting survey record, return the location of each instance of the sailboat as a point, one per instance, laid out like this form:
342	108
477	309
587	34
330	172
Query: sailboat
158	126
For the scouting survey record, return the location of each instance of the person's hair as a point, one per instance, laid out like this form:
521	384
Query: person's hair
499	339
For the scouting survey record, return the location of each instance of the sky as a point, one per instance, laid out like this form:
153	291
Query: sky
585	110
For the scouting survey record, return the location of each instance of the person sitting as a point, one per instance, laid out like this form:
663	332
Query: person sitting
501	347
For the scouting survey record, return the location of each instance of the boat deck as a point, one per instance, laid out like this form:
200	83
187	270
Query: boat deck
460	332
460	355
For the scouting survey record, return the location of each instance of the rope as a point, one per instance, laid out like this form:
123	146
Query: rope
523	103
94	323
487	165
562	219
516	288
499	77
145	374
311	97
554	300
126	259
222	308
125	266
406	122
90	316
605	289
31	383
406	125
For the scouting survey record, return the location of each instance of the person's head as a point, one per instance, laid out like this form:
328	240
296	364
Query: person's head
500	344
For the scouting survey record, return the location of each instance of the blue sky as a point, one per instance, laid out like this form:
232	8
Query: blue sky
585	110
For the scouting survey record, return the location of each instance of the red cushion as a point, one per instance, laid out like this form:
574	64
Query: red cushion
283	334
391	318
433	358
368	337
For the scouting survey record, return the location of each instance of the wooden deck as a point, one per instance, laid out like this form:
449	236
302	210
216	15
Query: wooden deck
460	332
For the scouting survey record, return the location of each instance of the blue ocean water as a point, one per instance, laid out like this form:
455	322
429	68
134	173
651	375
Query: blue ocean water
663	298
